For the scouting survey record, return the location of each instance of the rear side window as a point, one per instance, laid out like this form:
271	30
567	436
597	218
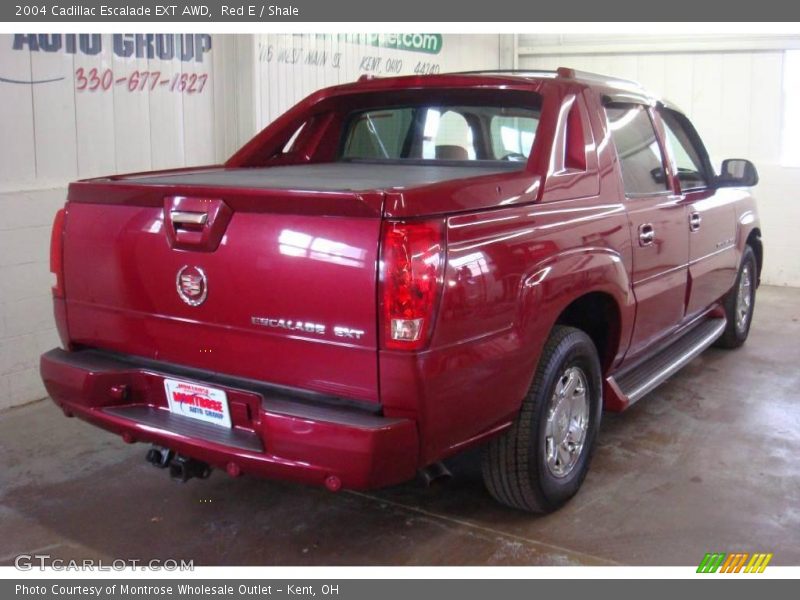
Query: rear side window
441	133
639	153
683	142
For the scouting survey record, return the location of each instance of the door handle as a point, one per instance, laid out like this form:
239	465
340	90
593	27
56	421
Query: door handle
647	235
195	222
694	221
181	217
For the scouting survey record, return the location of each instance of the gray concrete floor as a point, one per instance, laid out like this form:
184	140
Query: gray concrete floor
708	462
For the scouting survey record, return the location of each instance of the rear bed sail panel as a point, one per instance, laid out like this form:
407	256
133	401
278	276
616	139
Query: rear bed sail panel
288	297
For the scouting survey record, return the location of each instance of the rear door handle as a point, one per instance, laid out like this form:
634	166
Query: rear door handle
647	235
694	221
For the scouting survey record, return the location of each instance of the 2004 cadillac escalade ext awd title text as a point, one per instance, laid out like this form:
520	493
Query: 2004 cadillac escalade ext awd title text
399	269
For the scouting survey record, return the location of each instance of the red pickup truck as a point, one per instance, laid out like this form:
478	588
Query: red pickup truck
399	269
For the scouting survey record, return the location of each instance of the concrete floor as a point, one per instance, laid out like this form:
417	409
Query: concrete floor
708	462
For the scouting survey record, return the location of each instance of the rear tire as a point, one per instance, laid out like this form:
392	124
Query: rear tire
540	462
740	303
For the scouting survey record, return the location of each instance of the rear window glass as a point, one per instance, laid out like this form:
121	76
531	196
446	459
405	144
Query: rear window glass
441	133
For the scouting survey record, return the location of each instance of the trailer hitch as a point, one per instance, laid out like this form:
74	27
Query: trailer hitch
183	468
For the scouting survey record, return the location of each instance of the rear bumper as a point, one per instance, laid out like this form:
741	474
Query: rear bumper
275	433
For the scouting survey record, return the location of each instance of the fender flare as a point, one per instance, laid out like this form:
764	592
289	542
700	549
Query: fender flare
553	284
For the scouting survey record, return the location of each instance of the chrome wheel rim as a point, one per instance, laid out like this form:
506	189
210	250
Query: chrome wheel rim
567	422
744	299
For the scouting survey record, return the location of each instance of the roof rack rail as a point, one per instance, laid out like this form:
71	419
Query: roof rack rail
502	72
564	72
600	78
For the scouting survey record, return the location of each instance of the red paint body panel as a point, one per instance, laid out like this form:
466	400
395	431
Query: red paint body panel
121	273
295	448
520	247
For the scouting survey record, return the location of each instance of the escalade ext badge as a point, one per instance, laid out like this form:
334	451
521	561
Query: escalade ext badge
300	326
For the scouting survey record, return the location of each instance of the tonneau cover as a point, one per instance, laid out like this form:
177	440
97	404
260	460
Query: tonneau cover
342	176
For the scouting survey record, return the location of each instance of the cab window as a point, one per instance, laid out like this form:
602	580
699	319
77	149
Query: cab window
639	152
683	142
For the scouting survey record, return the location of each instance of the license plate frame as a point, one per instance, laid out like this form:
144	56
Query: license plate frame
198	401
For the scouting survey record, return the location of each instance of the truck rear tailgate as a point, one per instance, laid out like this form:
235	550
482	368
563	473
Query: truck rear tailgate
273	285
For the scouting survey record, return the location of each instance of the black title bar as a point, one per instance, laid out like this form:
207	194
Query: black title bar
256	11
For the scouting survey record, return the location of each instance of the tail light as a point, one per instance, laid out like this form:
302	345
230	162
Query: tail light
57	253
412	264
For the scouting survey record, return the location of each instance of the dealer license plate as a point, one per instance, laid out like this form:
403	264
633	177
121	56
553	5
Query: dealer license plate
198	402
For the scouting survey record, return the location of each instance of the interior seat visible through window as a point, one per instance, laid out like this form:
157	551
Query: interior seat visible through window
449	152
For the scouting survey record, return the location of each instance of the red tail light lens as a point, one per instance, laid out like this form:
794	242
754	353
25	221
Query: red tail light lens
57	253
412	265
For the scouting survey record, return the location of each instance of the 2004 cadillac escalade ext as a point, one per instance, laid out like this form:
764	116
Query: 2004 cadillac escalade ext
398	269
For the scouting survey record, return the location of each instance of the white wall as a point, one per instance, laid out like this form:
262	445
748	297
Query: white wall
321	61
731	88
53	133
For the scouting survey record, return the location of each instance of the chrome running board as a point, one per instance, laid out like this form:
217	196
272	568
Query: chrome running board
642	378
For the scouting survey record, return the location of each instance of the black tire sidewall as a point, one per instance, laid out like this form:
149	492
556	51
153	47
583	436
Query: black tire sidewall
578	350
748	258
